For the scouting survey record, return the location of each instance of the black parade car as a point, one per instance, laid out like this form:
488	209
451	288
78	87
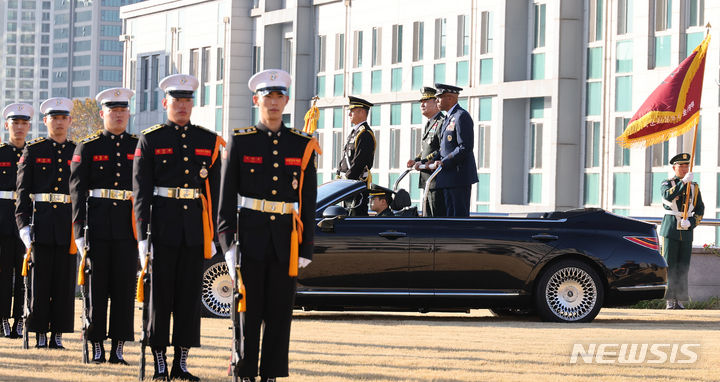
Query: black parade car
563	266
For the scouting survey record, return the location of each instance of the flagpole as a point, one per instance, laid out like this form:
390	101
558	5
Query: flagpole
692	154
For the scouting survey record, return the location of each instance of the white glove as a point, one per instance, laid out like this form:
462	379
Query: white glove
25	236
688	178
303	262
230	261
213	250
80	244
142	250
685	223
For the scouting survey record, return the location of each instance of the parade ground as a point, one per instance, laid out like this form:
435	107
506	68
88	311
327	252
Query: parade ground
372	346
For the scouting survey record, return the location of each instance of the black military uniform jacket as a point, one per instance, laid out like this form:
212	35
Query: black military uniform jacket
9	157
45	168
169	155
103	161
430	150
386	212
261	164
359	153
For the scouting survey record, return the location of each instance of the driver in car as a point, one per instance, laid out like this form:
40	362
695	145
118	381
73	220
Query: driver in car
380	200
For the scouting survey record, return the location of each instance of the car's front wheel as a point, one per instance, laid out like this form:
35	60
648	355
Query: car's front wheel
569	291
217	289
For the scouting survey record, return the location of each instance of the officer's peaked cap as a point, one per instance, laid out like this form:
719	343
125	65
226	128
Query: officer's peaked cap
115	97
682	158
56	106
270	80
179	85
18	111
443	88
359	102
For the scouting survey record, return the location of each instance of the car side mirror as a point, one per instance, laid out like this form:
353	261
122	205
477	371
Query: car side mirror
330	216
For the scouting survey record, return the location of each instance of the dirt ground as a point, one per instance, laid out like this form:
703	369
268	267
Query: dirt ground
369	346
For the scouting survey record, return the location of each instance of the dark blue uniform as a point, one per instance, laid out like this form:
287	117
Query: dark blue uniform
459	171
11	248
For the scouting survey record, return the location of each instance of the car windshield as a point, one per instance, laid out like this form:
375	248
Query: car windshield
336	189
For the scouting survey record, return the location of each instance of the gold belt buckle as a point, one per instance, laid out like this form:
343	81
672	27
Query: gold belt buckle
185	193
117	194
57	198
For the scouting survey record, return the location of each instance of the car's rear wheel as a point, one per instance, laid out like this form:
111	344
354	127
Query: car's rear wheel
216	289
569	291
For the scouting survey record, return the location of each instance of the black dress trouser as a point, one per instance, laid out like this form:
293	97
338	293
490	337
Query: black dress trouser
53	289
176	289
12	286
114	267
270	298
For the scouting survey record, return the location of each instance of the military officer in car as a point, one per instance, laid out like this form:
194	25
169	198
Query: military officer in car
358	153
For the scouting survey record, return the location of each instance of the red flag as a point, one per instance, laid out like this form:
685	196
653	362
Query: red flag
673	108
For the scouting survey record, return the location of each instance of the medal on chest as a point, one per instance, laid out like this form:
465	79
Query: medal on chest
203	172
294	183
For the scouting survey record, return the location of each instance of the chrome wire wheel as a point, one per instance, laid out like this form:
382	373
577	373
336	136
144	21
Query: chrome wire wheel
571	293
217	290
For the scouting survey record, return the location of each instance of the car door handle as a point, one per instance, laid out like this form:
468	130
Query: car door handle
392	235
544	237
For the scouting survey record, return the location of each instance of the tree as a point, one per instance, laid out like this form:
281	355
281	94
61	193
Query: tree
85	118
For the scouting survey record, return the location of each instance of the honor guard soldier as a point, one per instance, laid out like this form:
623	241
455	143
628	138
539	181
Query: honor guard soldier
43	203
17	122
677	233
176	173
380	200
271	168
457	139
430	151
101	192
359	152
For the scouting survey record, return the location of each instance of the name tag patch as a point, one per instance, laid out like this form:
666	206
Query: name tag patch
249	159
100	158
292	161
203	152
43	160
5	164
130	156
164	151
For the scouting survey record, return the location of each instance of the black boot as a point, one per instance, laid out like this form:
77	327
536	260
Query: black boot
17	329
6	327
41	340
56	341
98	350
179	369
161	372
116	353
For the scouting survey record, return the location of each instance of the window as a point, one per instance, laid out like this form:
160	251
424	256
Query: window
220	70
440	37
81	60
27	61
663	15
462	73
61	32
394	148
81	46
28	4
695	12
287	55
111	75
110	30
80	91
660	154
536	145
205	77
486	32
321	86
86	16
376	46
194	62
418	40
595	20
27	50
337	147
338	115
338	84
463	36
27	38
110	15
539	31
417	77
625	17
106	60
81	75
357	83
376	81
624	60
339	51
397	42
396	79
592	144
623	93
256	59
358	49
622	155
439	73
111	46
416	134
483	146
395	114
144	82
322	47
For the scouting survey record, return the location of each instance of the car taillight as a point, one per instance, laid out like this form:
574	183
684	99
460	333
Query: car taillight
645	241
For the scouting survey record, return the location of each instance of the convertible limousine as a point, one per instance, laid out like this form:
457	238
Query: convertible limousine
563	265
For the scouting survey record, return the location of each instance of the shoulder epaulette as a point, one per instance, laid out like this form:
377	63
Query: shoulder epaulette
153	128
300	133
3	145
244	130
36	140
91	137
206	129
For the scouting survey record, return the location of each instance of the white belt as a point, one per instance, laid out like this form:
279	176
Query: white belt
110	194
51	198
9	195
267	206
679	214
177	192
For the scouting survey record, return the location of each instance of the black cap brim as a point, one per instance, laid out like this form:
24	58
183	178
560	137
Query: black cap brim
181	93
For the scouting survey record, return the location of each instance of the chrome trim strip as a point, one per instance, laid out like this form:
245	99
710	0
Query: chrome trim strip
643	287
479	218
406	294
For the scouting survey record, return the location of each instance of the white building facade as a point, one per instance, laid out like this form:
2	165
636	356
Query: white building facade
550	84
